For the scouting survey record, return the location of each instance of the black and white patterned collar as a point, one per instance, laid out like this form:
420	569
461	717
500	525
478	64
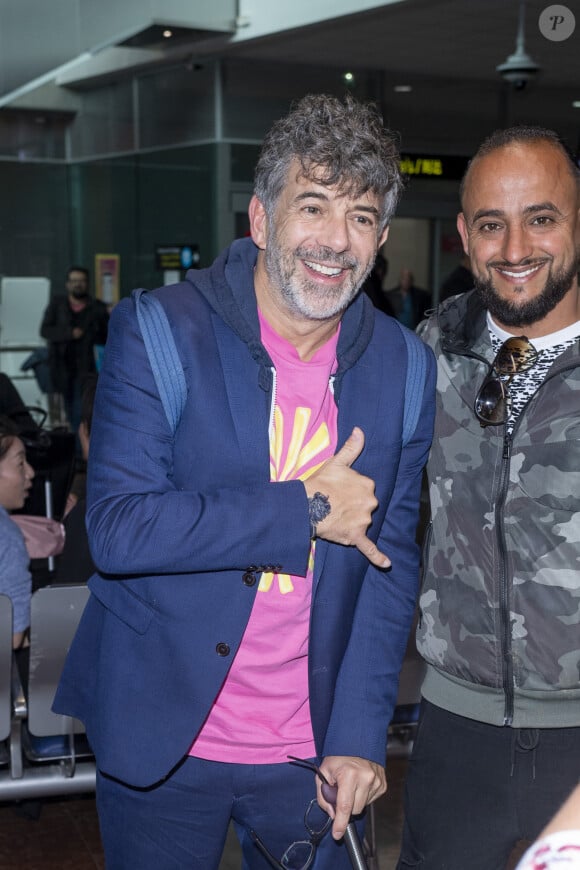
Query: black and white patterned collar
523	385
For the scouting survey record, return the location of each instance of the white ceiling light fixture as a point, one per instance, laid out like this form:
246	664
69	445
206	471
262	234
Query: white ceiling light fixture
519	68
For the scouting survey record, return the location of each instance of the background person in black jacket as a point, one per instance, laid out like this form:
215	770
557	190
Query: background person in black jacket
73	325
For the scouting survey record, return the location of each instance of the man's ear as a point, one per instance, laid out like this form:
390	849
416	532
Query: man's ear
258	222
462	230
383	238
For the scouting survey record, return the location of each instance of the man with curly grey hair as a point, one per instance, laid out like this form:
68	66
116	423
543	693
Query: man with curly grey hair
336	144
258	565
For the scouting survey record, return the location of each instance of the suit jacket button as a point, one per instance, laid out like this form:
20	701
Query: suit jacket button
223	649
249	578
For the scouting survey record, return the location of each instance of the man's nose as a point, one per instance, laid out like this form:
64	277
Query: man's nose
517	245
335	233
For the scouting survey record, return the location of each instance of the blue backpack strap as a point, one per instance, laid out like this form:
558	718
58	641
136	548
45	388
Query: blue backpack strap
162	353
414	383
170	379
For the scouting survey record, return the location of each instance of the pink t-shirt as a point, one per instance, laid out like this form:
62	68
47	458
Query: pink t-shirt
262	713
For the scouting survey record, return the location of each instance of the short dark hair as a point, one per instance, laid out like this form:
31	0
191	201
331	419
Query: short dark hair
82	269
336	142
8	432
518	135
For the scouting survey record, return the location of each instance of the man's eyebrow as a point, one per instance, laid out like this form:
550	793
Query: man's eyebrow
371	209
542	206
311	194
529	209
316	194
487	213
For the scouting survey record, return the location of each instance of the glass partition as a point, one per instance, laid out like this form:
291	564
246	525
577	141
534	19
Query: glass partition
104	123
131	205
176	105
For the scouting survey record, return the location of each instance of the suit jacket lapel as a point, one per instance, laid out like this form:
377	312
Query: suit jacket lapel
248	403
355	408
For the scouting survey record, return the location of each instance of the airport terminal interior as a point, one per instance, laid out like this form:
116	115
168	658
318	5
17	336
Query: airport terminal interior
129	132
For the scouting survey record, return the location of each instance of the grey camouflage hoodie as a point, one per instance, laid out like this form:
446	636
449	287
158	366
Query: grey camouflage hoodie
500	603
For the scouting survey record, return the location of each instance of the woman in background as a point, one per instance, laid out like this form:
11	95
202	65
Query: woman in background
15	481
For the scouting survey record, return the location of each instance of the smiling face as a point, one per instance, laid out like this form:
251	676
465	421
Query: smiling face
316	250
520	226
15	476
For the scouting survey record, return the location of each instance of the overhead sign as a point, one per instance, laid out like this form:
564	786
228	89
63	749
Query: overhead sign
433	166
176	257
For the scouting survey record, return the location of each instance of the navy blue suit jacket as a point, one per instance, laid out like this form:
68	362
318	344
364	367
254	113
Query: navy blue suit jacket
174	522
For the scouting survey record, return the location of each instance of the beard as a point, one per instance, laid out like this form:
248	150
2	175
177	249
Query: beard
79	294
509	313
305	297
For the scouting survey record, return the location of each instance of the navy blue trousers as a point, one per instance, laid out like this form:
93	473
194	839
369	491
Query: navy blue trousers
474	790
182	823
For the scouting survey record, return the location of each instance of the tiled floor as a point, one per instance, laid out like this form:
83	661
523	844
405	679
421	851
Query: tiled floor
65	836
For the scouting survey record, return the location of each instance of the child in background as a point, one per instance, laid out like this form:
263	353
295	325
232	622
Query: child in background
15	481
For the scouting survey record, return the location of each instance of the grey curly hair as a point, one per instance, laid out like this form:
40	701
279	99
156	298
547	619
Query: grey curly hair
336	143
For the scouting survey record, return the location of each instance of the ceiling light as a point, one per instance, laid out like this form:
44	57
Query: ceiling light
576	104
168	34
348	77
402	89
519	68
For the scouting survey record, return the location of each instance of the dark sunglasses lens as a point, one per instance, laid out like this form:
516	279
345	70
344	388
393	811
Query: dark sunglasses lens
515	355
491	404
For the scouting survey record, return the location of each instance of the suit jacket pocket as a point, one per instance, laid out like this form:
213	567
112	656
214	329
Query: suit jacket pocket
120	600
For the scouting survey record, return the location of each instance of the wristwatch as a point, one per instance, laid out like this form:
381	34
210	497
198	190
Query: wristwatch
318	510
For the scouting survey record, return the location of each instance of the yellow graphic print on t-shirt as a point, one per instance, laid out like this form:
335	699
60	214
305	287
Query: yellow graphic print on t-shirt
298	457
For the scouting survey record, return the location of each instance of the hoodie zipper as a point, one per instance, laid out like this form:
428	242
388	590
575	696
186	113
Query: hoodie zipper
504	608
274	397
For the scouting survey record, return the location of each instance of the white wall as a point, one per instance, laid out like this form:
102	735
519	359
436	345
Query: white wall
22	304
261	17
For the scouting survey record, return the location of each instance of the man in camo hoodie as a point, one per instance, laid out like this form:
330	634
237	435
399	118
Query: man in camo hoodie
498	744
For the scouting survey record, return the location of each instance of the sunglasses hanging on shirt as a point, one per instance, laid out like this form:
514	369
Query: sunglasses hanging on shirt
493	401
